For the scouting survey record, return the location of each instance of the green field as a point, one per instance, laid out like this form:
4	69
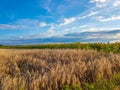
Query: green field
107	47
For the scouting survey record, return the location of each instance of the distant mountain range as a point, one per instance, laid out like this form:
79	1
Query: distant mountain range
96	36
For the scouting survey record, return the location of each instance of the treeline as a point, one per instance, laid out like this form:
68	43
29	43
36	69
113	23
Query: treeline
107	47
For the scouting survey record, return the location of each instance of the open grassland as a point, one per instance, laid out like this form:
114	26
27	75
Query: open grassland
65	69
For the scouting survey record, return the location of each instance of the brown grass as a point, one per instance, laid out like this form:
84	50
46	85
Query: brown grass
52	69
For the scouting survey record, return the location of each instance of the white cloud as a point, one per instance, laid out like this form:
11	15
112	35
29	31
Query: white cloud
46	5
31	24
92	13
66	21
116	3
83	26
28	22
9	26
99	29
42	24
104	36
102	3
99	18
50	32
21	37
99	3
103	19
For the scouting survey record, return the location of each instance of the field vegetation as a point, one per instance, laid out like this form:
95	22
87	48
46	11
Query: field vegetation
59	69
106	47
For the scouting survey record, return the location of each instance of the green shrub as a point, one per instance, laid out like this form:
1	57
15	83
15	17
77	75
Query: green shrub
67	87
116	80
89	86
104	85
72	87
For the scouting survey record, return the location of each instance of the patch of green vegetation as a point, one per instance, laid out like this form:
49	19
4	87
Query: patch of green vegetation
72	87
116	80
21	88
100	84
104	85
105	47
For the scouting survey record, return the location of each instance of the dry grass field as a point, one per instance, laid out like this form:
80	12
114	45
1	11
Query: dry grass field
58	69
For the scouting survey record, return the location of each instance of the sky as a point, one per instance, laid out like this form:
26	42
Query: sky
57	21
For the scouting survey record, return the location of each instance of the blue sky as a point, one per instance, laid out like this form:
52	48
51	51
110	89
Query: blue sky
41	19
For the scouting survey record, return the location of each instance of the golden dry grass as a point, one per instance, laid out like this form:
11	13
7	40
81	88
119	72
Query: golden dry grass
49	69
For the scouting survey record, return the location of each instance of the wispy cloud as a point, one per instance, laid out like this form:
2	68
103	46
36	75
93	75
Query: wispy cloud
50	31
42	24
67	5
45	4
104	36
83	26
27	22
95	29
23	24
10	26
103	19
116	3
99	3
90	14
67	21
7	26
105	3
